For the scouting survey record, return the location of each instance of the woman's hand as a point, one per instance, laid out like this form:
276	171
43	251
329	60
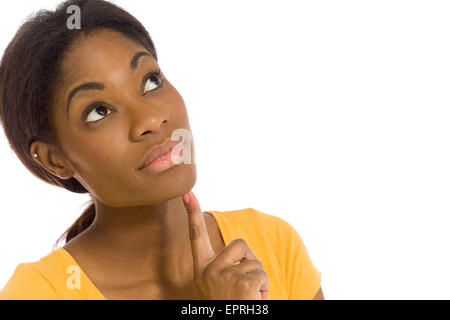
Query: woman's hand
217	276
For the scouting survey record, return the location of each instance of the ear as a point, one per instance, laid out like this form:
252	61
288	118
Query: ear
51	159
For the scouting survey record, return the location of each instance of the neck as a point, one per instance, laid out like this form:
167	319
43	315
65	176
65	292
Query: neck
154	236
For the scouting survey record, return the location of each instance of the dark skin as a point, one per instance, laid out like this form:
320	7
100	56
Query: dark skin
138	245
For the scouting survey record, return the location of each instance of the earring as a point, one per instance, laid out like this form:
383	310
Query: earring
35	155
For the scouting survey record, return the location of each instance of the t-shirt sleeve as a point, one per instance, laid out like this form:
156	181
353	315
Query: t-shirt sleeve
302	278
27	283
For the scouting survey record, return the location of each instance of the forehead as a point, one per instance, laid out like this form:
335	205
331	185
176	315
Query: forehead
100	53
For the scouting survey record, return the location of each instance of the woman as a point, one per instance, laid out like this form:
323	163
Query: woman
89	110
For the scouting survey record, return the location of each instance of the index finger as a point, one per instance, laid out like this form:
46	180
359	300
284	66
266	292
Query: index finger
202	251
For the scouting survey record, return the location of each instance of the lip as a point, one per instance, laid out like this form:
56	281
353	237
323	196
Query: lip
158	151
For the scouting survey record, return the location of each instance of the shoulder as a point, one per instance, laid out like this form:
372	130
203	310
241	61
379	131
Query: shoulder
279	247
254	220
27	283
46	279
257	227
302	279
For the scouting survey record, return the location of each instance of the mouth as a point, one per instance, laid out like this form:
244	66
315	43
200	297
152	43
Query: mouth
163	156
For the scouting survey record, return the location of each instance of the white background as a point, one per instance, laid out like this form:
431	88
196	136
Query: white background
333	115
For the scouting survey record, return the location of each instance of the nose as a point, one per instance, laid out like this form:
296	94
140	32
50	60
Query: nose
146	118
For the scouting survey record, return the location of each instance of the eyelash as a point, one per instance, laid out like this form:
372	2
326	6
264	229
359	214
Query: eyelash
96	105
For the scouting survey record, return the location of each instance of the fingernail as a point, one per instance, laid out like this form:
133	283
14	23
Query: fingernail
192	195
186	198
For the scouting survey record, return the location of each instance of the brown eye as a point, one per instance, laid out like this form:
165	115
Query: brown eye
153	82
95	112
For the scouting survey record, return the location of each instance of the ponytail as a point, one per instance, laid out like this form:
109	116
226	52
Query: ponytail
81	224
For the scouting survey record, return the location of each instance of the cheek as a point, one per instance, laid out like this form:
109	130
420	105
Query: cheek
99	156
105	167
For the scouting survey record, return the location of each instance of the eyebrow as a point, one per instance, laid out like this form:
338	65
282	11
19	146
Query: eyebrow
100	86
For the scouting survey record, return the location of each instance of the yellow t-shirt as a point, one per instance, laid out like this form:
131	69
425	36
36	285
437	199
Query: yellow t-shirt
292	275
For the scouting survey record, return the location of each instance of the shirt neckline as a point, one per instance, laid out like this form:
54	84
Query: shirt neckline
84	275
93	286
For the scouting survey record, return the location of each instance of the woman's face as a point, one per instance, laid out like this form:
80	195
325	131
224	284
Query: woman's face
106	146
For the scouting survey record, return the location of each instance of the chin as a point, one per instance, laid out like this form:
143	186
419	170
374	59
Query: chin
175	183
